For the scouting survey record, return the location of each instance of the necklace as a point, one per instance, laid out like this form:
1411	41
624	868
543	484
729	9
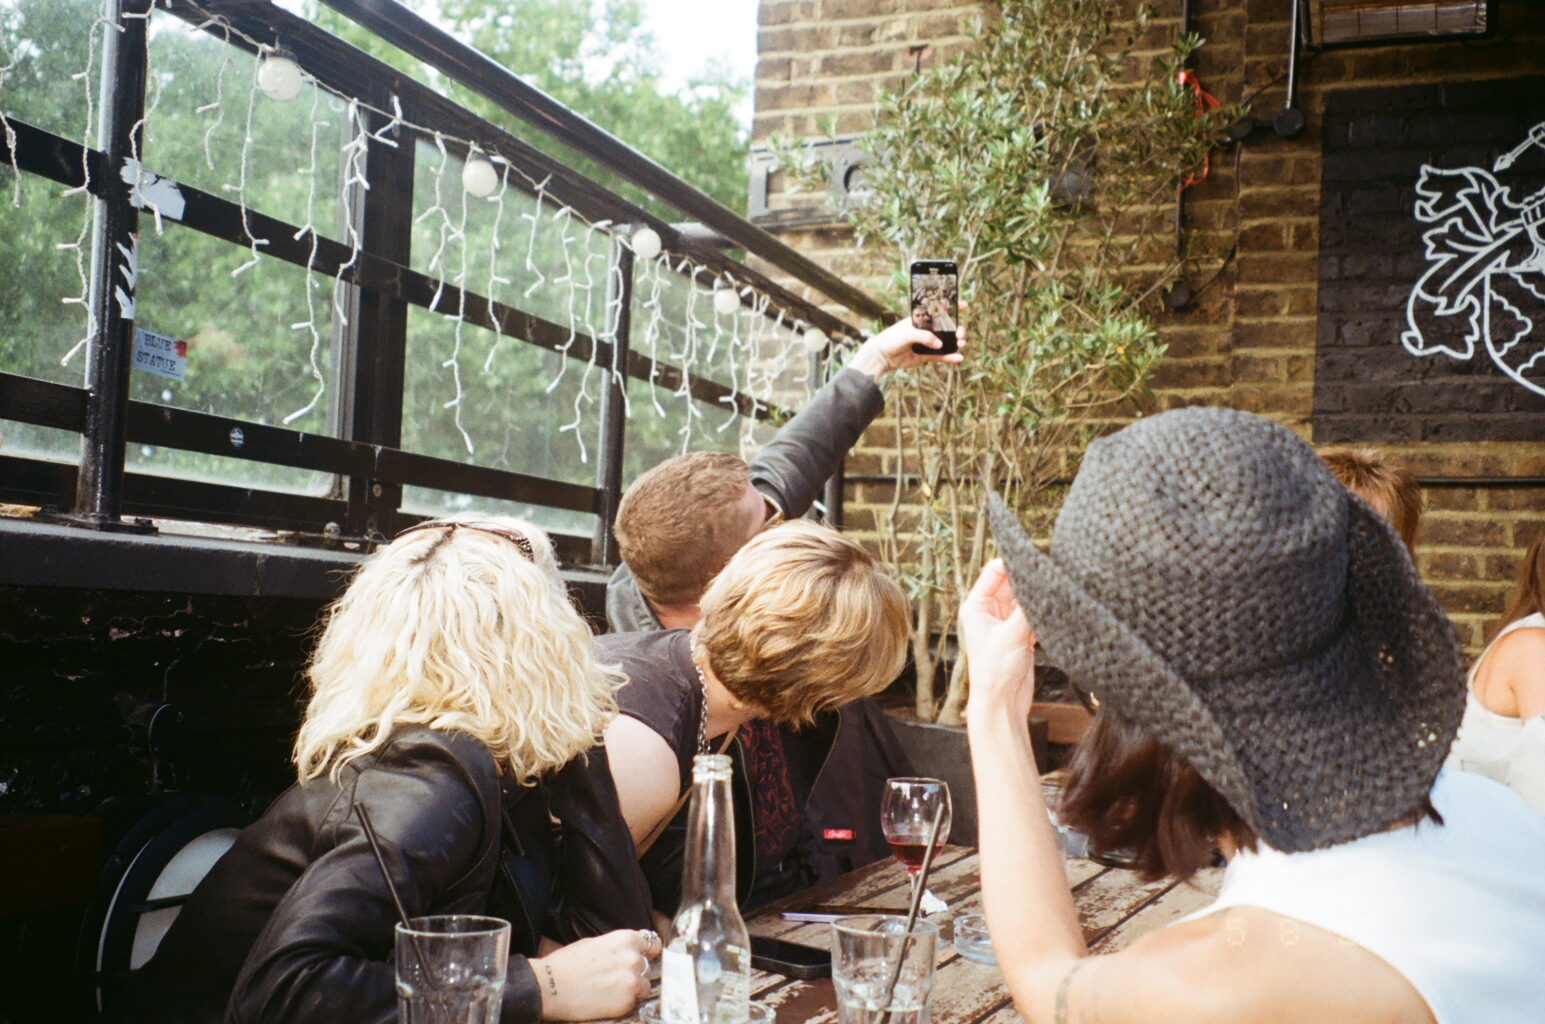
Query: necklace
702	721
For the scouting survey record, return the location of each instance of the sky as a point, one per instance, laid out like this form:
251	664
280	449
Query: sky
690	33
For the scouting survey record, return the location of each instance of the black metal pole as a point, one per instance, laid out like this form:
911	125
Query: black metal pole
832	494
1295	31
114	265
372	347
1290	122
614	384
420	38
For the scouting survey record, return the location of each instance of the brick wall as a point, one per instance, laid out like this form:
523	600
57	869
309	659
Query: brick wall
1248	338
1380	145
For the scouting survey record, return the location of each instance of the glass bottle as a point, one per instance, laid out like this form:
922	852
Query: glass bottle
705	975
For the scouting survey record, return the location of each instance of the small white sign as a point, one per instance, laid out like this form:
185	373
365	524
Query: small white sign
160	355
678	988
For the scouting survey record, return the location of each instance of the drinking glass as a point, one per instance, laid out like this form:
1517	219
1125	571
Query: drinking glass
450	969
882	972
906	817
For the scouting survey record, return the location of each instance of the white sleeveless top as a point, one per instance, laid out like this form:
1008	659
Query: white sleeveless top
1499	747
1457	909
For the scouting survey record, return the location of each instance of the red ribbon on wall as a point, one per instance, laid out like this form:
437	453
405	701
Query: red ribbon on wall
1204	101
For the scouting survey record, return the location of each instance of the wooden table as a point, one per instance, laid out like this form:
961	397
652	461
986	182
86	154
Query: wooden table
1113	905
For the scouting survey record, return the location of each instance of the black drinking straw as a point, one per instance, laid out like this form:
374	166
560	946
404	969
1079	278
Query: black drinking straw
391	887
917	901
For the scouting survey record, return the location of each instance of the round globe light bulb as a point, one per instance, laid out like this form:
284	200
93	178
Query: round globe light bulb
815	340
726	301
479	177
646	243
278	78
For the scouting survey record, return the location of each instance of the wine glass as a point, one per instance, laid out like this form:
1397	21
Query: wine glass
906	817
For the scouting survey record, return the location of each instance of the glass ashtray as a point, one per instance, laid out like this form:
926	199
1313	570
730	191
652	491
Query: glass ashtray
761	1013
972	940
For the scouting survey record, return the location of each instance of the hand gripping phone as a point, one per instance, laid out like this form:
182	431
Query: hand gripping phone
936	303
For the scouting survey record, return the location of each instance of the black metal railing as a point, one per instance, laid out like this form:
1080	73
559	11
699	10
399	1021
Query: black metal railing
367	459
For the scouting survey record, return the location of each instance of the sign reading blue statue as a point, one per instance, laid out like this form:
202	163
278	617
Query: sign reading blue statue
1432	270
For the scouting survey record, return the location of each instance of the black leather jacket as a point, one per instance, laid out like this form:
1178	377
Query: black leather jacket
295	923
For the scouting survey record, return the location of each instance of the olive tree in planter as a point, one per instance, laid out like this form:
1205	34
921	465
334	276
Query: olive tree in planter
1045	160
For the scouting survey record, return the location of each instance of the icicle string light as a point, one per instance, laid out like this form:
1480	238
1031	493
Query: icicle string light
652	332
88	136
755	354
309	227
5	123
218	106
460	317
240	188
494	280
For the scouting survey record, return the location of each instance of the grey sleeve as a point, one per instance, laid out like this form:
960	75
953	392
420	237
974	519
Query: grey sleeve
793	467
627	611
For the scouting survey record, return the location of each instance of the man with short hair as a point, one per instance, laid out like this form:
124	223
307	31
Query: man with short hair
681	522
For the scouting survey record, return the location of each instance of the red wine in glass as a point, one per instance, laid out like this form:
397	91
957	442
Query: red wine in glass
906	816
910	850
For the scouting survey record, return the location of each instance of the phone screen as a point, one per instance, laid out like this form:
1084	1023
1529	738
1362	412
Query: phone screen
790	958
935	302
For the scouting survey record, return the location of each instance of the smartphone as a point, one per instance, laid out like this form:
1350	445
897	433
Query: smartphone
824	913
790	959
936	303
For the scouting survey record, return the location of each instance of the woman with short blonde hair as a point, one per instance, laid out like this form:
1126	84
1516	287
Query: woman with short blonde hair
456	706
801	620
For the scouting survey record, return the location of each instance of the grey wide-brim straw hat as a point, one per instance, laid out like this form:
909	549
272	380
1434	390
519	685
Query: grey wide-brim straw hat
1211	581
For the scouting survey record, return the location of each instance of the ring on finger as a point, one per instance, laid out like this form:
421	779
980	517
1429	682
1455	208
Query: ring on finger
643	970
650	937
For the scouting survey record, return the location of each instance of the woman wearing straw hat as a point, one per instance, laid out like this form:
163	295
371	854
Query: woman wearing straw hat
1276	684
456	700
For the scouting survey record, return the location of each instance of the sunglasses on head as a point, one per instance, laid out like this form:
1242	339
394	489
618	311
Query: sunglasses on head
515	537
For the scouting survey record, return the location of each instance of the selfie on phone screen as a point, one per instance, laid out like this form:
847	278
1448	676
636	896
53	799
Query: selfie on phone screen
935	295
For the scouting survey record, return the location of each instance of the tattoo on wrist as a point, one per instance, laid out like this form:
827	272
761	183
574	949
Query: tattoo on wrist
552	984
1061	1016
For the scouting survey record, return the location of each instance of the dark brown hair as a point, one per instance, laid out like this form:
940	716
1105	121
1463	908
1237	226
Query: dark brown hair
680	523
1389	486
1529	595
1135	799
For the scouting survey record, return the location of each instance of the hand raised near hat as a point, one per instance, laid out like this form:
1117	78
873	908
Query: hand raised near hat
1000	647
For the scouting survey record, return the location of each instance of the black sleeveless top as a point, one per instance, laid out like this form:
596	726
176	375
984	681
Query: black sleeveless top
663	690
664	693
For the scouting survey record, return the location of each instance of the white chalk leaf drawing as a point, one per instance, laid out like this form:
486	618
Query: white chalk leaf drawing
1485	277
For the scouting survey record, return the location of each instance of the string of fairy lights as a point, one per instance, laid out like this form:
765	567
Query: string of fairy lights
725	328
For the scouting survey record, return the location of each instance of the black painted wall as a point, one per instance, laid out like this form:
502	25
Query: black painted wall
1368	386
80	666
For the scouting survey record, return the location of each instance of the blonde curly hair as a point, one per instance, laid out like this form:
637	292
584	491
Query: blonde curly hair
457	629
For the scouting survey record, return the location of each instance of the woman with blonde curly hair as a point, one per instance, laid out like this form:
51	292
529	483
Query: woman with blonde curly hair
456	701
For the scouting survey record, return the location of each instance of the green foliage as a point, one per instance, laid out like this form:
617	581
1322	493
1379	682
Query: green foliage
1048	170
595	57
